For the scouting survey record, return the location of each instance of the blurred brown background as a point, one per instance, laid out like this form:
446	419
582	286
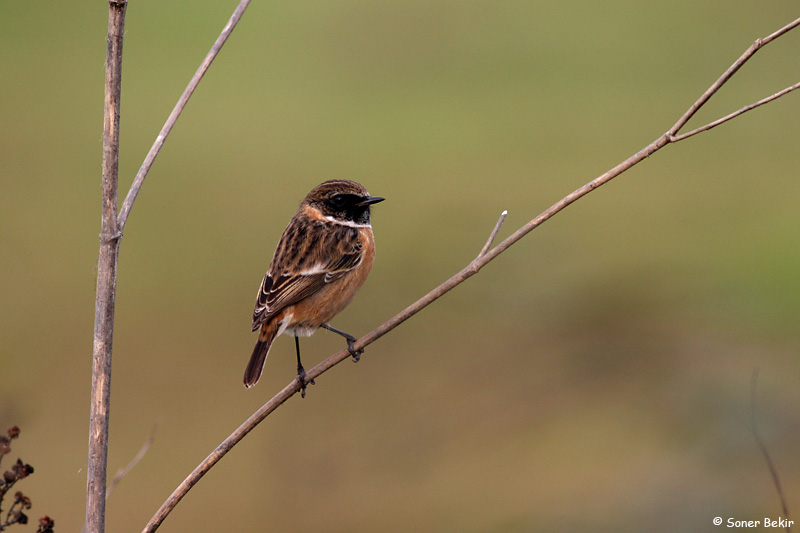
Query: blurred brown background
595	377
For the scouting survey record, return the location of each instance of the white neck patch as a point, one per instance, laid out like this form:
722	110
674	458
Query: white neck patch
347	222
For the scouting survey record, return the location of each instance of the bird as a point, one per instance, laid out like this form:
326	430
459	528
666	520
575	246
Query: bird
322	260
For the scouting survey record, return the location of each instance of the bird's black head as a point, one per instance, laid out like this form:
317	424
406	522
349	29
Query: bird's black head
342	201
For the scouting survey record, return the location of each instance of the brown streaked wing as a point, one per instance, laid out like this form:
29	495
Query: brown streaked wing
335	253
261	302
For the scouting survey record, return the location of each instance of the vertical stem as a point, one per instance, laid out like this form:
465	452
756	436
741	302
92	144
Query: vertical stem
106	278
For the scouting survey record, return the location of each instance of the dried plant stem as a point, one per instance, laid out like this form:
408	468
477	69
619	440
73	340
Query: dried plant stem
106	278
493	234
484	257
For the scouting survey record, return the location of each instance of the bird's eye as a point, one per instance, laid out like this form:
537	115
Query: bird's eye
337	200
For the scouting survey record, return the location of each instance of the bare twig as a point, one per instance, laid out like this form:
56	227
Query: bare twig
492	235
484	257
122	472
763	447
127	205
106	277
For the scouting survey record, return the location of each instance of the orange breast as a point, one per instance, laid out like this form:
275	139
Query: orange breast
326	303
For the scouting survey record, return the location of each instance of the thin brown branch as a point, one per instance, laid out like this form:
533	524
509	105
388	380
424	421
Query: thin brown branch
763	447
492	235
484	257
127	205
106	277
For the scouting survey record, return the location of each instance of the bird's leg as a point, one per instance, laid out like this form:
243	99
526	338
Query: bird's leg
350	341
301	372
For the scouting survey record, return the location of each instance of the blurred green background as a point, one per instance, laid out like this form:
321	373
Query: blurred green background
595	377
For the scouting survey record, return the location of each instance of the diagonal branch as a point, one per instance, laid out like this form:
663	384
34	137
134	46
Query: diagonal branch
486	255
293	387
127	205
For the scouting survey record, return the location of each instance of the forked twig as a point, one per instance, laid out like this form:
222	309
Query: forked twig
745	109
110	235
485	256
751	50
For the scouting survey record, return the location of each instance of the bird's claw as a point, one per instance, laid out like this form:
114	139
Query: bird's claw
301	377
355	354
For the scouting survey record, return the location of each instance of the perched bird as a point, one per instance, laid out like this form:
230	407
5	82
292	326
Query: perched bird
322	259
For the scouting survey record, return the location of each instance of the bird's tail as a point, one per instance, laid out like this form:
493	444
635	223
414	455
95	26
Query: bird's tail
256	365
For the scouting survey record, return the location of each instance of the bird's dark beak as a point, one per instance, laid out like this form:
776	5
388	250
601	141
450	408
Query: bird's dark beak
370	200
